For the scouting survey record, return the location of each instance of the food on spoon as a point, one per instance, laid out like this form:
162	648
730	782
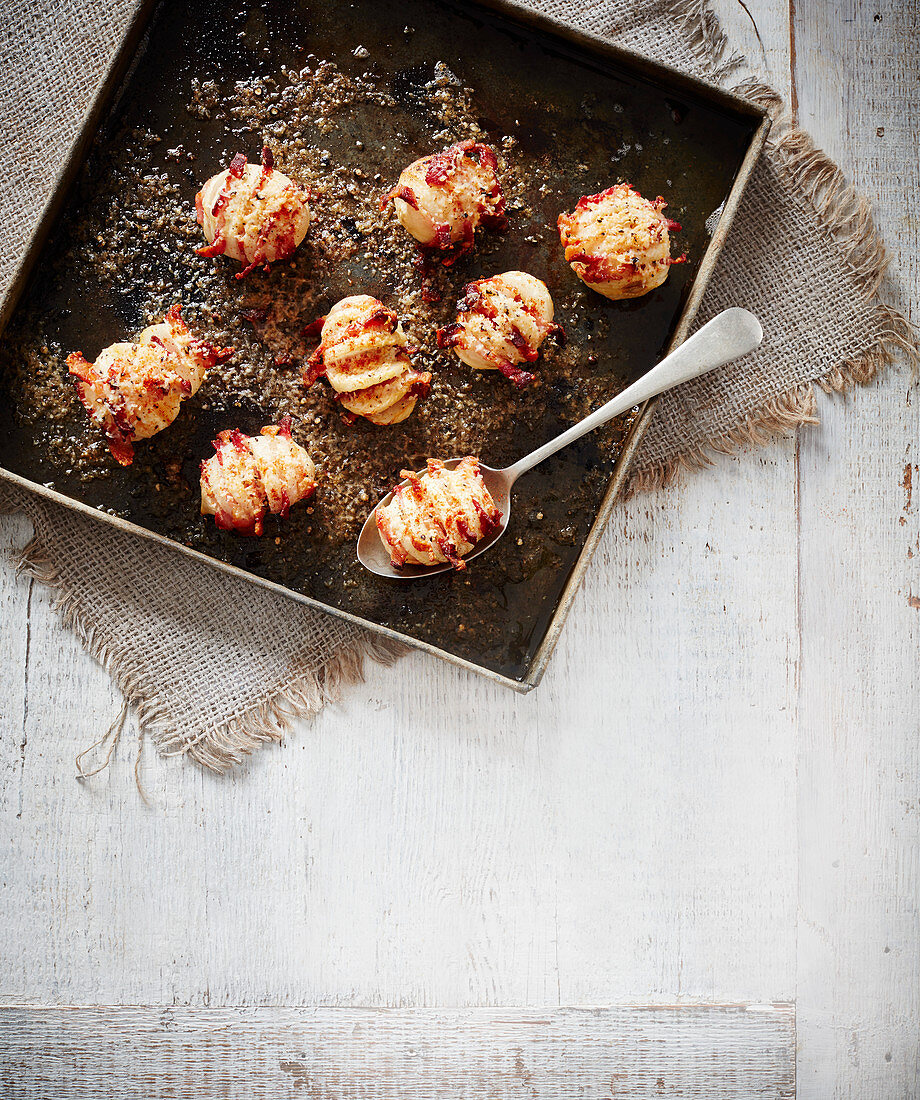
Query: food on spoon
443	198
252	475
618	243
438	516
252	213
364	355
134	390
501	323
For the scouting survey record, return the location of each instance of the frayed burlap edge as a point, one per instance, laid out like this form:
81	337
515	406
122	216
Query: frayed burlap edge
226	743
842	212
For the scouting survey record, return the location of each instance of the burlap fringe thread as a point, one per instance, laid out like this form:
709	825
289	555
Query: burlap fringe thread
837	207
227	743
842	212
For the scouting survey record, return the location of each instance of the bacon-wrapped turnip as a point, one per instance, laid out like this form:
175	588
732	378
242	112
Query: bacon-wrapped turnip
501	323
618	243
364	355
134	390
438	516
443	198
250	476
252	213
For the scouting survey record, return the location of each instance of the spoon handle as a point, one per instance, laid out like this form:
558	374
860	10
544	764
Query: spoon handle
731	333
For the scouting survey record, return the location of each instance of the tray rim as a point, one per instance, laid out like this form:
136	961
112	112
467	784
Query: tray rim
105	97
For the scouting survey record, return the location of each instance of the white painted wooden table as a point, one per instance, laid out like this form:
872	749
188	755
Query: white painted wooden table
713	797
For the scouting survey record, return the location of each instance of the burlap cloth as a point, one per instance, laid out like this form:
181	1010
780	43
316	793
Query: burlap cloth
215	668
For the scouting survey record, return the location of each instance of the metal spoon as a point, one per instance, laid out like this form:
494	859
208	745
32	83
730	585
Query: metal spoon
732	333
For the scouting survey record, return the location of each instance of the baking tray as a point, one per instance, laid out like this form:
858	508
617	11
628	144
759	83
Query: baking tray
347	94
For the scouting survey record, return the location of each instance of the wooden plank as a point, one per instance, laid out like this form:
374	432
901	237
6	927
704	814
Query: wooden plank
855	69
630	1052
674	738
859	710
16	660
759	31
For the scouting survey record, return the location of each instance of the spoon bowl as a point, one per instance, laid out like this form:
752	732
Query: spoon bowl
731	333
373	554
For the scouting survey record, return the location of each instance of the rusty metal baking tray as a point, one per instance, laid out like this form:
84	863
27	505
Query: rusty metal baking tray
346	94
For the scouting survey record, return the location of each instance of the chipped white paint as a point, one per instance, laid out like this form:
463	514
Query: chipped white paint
712	797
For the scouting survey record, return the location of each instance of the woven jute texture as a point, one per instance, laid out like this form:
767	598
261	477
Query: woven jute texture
215	667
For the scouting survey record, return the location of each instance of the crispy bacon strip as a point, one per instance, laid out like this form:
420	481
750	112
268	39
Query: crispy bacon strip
400	192
255	315
313	329
122	452
80	368
519	378
316	367
449	336
598	269
420	383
